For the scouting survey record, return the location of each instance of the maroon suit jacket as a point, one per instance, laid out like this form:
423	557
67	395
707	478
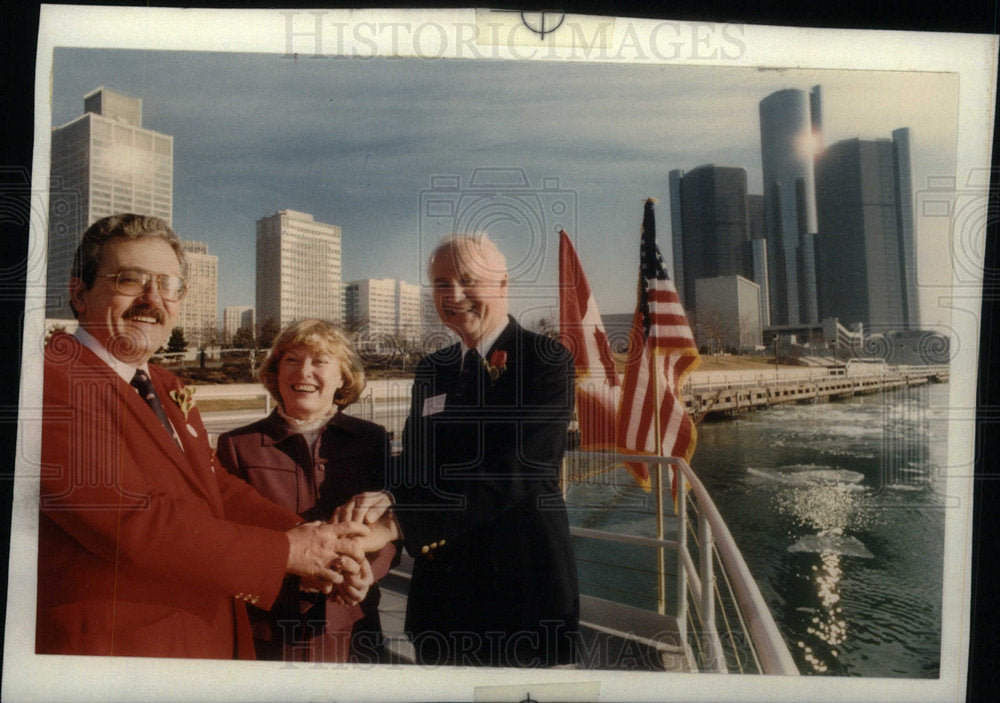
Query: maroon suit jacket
349	458
143	549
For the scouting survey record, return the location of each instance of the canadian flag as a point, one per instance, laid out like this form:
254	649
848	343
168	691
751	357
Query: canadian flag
580	329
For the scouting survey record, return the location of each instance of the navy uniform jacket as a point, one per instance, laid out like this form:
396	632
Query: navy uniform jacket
478	499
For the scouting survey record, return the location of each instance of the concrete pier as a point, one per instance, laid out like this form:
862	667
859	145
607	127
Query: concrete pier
743	391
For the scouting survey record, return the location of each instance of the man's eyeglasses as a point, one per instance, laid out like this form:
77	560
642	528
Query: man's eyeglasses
135	281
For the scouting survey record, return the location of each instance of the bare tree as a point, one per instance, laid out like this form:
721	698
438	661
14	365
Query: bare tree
714	331
355	327
210	336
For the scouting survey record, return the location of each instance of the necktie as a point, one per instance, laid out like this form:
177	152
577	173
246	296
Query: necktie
470	362
144	385
469	377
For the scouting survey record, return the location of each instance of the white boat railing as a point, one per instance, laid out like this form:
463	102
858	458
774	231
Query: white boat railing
698	582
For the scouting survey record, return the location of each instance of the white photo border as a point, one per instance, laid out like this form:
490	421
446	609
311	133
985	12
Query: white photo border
31	677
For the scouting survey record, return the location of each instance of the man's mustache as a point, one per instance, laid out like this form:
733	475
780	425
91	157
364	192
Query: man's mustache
137	311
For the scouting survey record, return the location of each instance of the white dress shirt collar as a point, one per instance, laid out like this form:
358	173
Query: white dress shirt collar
126	371
486	342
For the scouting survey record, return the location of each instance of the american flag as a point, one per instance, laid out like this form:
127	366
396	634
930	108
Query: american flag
581	330
661	353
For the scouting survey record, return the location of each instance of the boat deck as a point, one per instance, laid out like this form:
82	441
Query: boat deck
612	636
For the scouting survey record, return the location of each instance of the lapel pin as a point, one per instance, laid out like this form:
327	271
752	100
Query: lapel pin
184	397
496	365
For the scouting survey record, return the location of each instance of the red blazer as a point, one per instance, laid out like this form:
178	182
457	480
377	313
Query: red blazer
143	549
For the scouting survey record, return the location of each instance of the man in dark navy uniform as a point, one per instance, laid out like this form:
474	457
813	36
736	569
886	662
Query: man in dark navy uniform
477	493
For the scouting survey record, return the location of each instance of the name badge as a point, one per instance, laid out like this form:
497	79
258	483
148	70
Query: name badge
433	405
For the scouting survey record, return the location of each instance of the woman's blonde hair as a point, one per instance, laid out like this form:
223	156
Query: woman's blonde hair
320	338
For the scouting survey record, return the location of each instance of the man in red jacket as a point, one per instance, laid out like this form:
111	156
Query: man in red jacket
146	548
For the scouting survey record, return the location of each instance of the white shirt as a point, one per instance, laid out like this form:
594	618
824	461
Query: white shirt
486	342
125	371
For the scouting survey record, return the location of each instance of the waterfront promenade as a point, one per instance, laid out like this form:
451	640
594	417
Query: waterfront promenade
706	393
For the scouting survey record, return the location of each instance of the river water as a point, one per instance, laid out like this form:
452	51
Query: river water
838	509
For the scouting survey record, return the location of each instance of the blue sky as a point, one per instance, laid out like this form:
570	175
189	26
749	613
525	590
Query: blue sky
366	144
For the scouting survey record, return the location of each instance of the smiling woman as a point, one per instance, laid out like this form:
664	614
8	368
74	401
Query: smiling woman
309	457
307	381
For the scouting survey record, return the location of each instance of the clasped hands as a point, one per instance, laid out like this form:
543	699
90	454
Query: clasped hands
331	556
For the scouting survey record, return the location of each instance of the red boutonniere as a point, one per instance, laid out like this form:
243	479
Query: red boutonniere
496	365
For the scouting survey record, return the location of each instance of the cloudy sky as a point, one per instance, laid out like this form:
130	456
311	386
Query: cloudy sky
376	145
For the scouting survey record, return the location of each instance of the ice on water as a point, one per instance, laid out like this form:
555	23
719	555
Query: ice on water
832	543
811	475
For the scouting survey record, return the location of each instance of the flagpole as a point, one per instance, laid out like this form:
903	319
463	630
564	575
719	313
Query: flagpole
661	326
661	556
661	560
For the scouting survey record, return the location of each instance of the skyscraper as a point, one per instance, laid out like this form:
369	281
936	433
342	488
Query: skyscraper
790	136
710	236
756	225
728	314
197	316
757	247
102	163
866	255
408	322
383	306
298	269
433	332
371	306
234	317
908	230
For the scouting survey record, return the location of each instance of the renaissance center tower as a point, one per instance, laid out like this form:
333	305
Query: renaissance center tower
790	136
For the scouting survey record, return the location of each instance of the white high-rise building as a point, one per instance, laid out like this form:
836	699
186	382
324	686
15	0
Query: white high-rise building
298	269
729	314
197	316
234	317
371	306
435	333
103	163
383	306
408	322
